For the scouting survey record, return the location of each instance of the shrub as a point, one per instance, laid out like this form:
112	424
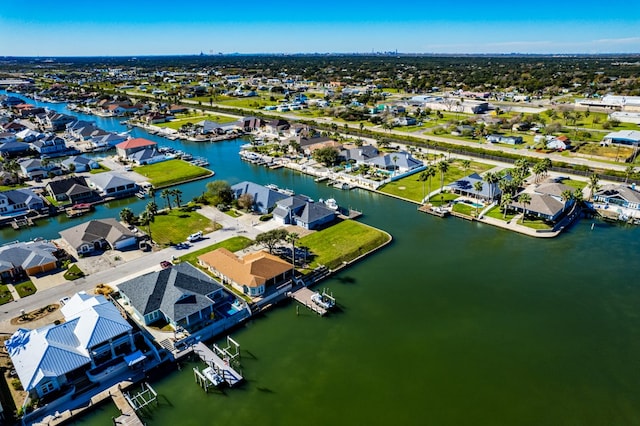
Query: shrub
16	384
265	217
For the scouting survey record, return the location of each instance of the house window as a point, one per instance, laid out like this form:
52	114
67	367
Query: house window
46	388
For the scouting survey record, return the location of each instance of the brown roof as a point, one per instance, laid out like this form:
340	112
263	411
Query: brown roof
253	270
135	143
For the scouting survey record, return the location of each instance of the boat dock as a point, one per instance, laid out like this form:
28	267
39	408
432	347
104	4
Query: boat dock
303	296
440	212
221	366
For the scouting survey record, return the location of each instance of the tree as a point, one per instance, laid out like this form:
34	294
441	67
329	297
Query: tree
566	195
505	202
578	195
292	237
272	238
525	200
177	196
383	143
145	220
152	208
443	167
12	167
629	172
72	167
220	191
327	156
491	178
477	186
166	194
427	174
594	185
395	161
127	216
245	201
466	165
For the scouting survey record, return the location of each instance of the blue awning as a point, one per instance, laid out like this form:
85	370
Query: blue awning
135	358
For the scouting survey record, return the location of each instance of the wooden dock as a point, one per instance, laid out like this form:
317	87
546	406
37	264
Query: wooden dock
429	210
128	416
228	373
303	296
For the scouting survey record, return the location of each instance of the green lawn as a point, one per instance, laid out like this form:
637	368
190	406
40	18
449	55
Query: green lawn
411	188
578	184
102	169
25	288
535	223
9	187
233	244
178	123
443	199
344	241
174	226
5	295
465	209
73	273
496	213
170	172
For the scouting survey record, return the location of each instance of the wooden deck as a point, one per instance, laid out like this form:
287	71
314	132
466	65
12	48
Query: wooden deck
427	209
231	376
303	296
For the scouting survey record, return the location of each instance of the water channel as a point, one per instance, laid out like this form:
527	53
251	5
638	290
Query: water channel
454	323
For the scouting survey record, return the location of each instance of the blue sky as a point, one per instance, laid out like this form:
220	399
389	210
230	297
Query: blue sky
88	28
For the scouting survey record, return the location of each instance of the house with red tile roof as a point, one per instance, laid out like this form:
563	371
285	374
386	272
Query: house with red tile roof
131	146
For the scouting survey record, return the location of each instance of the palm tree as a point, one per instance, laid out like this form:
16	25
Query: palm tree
292	237
166	194
152	192
443	167
152	208
126	215
427	174
594	181
491	178
13	168
466	164
578	195
505	202
628	172
566	195
145	220
477	186
177	196
525	200
395	167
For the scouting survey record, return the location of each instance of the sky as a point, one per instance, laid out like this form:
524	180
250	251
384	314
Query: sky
48	28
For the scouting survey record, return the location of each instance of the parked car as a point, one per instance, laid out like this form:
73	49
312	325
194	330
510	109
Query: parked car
195	237
165	264
63	301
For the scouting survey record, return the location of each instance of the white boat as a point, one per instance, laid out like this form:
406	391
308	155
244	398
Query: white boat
323	302
331	203
287	191
142	195
213	376
272	186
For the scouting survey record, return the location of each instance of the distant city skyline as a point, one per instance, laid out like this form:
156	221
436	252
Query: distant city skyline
72	28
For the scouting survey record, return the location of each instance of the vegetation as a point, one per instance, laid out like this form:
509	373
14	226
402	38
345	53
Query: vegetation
170	227
342	242
171	172
271	239
100	169
233	244
73	273
5	294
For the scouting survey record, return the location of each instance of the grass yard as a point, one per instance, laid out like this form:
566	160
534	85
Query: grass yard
411	188
174	226
342	242
101	169
73	273
496	213
5	295
233	244
10	187
443	198
535	223
578	184
465	209
178	123
612	152
25	288
171	172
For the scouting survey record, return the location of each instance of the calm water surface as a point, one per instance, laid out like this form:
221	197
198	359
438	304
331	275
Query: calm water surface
454	323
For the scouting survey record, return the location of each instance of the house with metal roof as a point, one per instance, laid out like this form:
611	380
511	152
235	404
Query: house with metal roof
99	234
112	184
301	211
400	161
623	137
264	199
62	356
148	156
251	274
18	259
465	186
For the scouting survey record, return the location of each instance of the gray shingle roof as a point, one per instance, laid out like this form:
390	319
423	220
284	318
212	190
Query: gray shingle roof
263	197
26	255
109	230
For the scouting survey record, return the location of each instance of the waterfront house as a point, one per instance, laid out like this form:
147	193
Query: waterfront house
18	259
19	201
73	189
464	186
82	130
55	121
618	195
249	124
79	163
7	137
13	149
180	295
400	161
310	144
32	168
264	199
50	145
359	155
301	211
112	185
131	146
63	356
543	206
106	140
156	117
207	126
276	126
98	235
148	156
555	189
251	274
